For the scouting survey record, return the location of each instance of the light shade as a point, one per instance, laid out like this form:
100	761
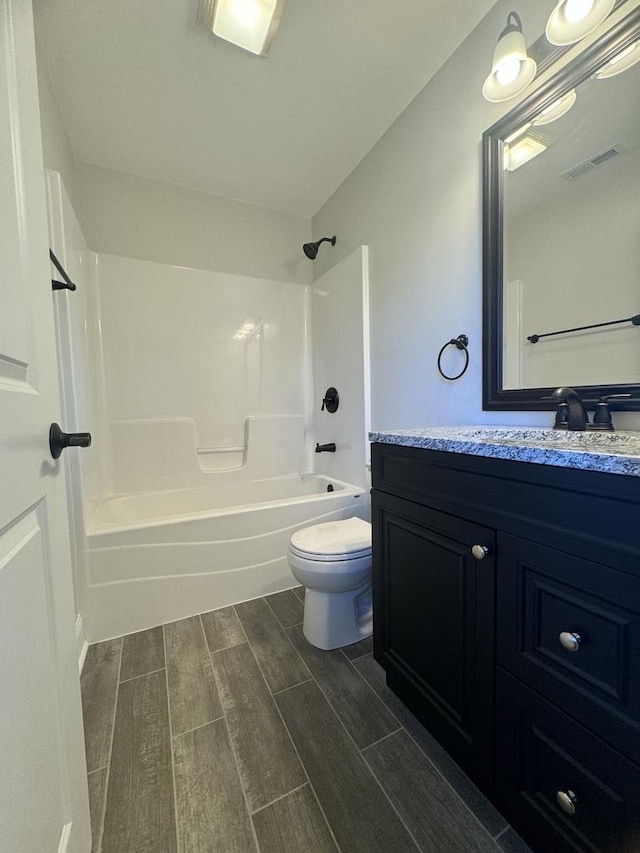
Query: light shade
511	70
556	109
623	60
572	20
249	24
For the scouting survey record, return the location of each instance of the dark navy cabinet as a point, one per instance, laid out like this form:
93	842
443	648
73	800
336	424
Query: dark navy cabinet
507	618
435	634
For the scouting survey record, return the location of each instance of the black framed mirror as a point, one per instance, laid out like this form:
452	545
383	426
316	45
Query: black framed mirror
561	234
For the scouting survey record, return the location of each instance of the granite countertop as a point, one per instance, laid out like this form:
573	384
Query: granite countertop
610	452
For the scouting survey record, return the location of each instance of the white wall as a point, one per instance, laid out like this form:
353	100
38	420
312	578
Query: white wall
57	151
124	214
415	199
340	311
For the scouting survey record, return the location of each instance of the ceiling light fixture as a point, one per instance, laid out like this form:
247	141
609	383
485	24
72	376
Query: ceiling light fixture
623	60
249	24
524	150
572	20
511	70
558	108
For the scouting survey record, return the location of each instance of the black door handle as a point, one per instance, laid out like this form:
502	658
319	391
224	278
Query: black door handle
58	440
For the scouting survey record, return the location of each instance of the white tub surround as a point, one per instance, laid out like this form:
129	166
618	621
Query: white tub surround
168	453
340	315
161	556
609	452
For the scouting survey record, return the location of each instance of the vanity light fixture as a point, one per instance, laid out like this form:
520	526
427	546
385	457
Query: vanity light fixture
558	108
523	150
511	70
623	60
572	20
249	24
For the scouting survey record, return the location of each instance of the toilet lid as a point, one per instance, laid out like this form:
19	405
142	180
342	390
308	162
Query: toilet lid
351	536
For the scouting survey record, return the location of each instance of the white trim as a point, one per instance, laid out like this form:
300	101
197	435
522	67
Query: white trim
366	336
65	837
81	642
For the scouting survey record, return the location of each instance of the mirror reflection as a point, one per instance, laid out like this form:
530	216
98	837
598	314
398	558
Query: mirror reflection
572	236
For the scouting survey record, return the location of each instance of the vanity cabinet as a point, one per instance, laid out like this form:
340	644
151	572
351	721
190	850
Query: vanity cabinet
507	618
436	626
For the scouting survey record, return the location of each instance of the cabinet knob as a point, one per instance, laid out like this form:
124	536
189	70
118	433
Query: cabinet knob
479	551
570	641
567	801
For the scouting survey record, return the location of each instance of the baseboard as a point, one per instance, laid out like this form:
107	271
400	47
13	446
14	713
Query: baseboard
81	642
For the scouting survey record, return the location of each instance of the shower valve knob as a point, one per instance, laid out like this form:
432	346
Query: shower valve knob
331	400
58	440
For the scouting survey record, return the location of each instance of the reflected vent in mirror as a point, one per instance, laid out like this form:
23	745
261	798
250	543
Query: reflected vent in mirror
593	162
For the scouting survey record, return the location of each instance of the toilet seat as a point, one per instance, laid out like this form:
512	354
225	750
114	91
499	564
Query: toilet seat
329	558
333	541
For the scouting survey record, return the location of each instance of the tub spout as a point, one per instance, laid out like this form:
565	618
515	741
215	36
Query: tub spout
326	448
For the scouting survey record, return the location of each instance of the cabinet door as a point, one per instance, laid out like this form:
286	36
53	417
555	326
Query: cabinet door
434	623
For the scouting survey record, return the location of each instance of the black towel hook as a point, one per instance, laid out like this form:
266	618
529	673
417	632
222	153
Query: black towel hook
461	343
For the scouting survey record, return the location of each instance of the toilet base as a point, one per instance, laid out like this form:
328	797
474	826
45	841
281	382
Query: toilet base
334	619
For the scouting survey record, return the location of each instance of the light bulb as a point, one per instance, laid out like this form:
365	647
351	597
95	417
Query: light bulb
246	12
577	10
508	71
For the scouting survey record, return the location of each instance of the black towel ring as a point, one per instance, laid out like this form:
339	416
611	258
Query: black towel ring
461	342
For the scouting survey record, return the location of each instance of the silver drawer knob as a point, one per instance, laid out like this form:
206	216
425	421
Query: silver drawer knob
479	551
567	801
570	641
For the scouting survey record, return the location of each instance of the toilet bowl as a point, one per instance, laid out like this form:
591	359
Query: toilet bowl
333	562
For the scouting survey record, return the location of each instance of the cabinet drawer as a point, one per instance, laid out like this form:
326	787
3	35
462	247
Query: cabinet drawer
544	593
544	756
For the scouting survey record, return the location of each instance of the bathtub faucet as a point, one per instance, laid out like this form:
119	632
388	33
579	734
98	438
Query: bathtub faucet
326	448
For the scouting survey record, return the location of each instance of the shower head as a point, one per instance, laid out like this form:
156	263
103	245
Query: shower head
311	249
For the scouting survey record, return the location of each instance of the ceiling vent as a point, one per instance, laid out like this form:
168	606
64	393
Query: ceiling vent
592	163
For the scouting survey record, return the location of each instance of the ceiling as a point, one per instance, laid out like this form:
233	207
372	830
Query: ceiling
142	88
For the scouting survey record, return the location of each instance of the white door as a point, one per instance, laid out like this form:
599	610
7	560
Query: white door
43	797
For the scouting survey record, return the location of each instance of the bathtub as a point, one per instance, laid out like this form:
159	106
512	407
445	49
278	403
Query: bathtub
155	557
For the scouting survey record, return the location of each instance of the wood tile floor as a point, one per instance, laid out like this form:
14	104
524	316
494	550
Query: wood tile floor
228	733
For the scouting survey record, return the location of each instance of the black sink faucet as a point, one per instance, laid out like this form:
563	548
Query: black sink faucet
577	414
326	448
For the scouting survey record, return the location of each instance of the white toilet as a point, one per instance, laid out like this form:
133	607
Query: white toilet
333	562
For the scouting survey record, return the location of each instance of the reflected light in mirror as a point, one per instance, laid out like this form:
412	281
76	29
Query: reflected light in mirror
557	109
625	59
249	24
572	20
522	151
